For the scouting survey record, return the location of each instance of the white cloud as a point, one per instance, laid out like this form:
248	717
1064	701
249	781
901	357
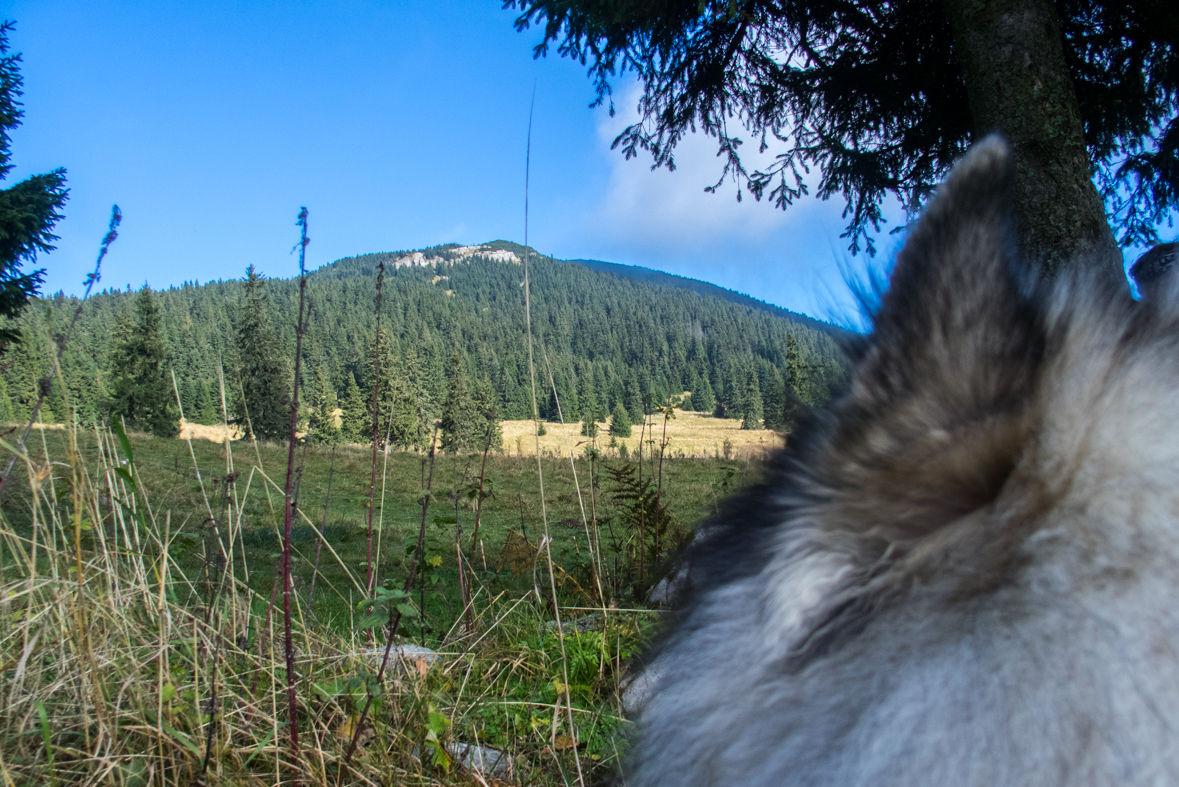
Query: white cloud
666	220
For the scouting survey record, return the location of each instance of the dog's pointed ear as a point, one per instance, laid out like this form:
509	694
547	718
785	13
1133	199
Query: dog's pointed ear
935	416
953	329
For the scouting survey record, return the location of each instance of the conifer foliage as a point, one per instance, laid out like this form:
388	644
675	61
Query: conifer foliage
142	385
264	382
321	423
608	340
750	400
355	412
620	424
797	394
469	418
28	210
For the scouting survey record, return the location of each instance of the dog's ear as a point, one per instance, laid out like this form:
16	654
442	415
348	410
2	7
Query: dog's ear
952	328
952	358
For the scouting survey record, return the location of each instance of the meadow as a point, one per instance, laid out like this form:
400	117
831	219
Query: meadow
141	602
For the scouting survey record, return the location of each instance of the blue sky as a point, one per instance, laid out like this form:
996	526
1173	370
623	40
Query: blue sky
398	124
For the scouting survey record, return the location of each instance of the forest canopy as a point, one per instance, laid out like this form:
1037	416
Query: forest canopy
607	341
883	96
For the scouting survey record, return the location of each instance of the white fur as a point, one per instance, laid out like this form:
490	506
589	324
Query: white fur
1062	668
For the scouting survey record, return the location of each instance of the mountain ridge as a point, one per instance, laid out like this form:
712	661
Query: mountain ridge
509	251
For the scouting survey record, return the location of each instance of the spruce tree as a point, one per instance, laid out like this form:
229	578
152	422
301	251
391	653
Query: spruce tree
751	404
460	423
487	409
263	374
28	210
419	396
773	387
796	391
356	417
142	392
321	423
6	411
590	415
703	399
620	424
205	407
872	97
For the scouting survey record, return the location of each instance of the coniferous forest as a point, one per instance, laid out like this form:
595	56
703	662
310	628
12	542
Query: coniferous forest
451	347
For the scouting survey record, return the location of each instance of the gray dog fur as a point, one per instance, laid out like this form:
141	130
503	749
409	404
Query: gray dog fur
966	572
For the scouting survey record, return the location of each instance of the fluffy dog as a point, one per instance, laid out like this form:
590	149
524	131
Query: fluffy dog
967	571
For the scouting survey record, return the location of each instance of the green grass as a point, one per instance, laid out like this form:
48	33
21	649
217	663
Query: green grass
112	675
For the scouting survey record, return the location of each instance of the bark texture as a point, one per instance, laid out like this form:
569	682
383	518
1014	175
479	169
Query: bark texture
1012	59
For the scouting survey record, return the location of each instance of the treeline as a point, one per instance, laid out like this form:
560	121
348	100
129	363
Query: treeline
452	346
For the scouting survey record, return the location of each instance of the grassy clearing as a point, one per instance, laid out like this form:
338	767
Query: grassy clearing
689	435
140	641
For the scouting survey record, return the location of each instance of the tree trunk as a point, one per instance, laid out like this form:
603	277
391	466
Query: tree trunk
1012	58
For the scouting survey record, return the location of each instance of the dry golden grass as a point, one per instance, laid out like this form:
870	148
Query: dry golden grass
215	433
120	667
688	434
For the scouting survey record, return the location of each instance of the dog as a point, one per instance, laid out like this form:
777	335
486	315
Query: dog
966	571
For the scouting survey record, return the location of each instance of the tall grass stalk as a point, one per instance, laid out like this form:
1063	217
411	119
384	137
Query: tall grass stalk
372	484
288	641
231	473
465	586
546	542
595	561
384	480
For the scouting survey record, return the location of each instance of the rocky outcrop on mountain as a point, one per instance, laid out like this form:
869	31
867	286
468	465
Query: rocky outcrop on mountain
455	254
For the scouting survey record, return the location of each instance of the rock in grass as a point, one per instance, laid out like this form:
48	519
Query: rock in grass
635	691
580	625
483	760
407	656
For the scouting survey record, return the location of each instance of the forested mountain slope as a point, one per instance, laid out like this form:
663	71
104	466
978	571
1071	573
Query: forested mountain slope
695	285
604	339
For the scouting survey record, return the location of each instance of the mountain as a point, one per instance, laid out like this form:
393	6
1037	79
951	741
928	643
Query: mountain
704	288
602	337
508	251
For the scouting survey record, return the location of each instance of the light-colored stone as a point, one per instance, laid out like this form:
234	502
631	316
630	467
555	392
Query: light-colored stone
636	689
591	622
457	254
483	760
406	656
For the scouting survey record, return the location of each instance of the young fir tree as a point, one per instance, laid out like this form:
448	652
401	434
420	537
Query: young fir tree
620	424
703	399
356	419
418	433
264	382
403	430
142	392
487	408
6	411
750	402
205	409
774	388
796	391
590	415
26	367
460	422
321	422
